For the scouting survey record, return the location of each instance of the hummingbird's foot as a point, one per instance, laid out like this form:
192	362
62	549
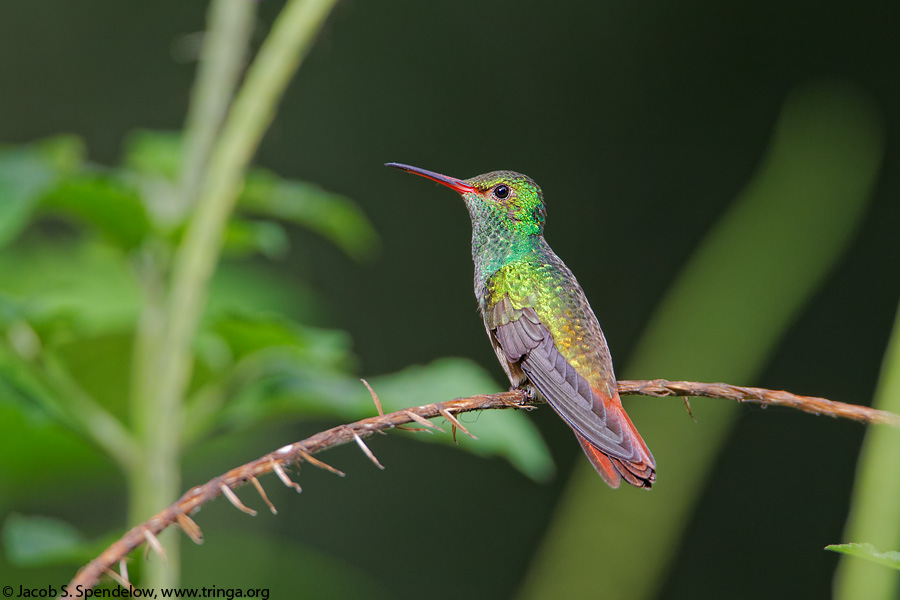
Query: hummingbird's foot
526	403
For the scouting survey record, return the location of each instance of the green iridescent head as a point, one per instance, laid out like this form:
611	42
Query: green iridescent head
502	198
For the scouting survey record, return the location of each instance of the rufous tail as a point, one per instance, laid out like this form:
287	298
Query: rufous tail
640	473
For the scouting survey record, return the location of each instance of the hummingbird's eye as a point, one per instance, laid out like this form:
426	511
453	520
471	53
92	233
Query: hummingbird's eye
501	192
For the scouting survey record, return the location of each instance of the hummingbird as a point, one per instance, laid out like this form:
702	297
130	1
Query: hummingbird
540	323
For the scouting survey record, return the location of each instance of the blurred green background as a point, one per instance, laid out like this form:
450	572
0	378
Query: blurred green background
722	178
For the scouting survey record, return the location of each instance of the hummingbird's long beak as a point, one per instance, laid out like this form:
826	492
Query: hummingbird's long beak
451	182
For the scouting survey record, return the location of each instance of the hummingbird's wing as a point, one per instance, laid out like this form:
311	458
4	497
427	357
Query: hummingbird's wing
595	413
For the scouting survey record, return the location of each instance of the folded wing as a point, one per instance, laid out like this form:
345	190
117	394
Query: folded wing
595	413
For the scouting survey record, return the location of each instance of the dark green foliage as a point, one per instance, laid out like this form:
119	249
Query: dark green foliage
86	248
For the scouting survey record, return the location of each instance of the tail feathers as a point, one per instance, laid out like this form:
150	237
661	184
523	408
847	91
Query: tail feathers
640	473
602	463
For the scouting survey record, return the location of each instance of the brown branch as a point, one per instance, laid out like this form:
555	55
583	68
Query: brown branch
808	404
302	451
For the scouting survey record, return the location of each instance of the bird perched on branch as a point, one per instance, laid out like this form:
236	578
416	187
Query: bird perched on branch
540	324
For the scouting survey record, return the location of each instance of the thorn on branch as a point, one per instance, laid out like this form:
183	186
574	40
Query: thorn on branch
262	493
374	398
424	422
284	478
687	406
232	497
381	410
455	422
413	429
322	465
190	528
199	495
366	451
123	571
122	577
154	544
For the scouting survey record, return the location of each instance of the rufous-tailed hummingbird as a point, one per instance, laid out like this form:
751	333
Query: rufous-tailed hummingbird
540	324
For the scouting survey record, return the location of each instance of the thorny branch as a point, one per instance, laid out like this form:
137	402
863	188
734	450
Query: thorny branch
808	404
286	456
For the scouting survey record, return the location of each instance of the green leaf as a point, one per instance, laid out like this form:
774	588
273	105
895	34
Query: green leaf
80	286
259	366
152	163
869	552
31	541
242	286
28	394
24	176
331	215
245	334
33	323
244	237
29	437
26	173
114	208
154	153
89	288
64	153
273	384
